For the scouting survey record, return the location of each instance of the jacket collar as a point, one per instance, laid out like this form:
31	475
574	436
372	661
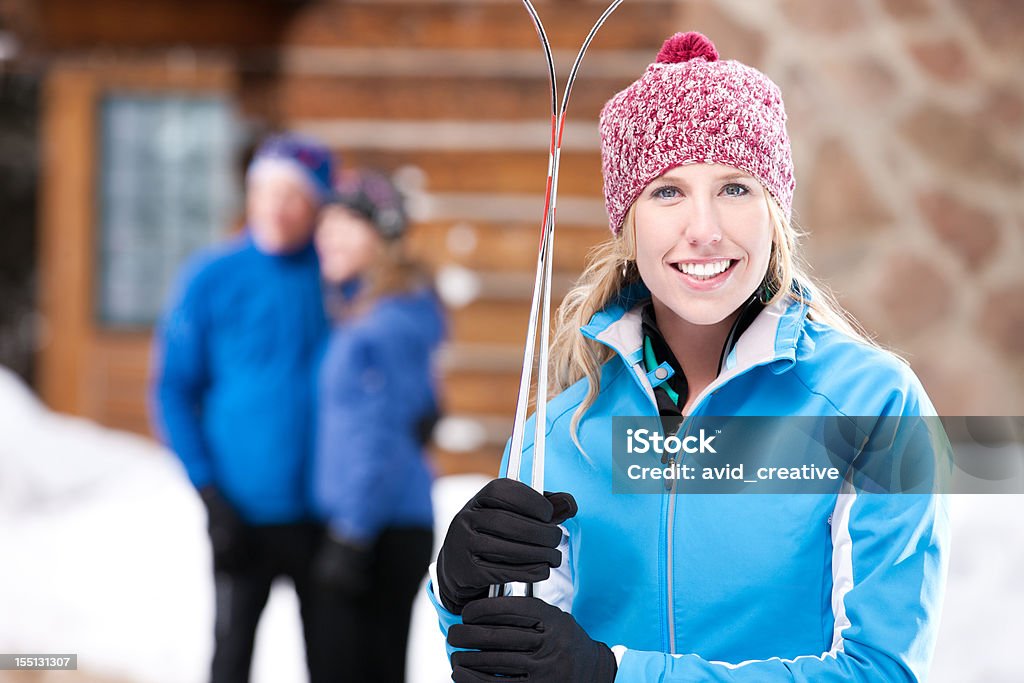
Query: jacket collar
771	339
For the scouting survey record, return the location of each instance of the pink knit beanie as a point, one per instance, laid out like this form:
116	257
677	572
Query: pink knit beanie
689	107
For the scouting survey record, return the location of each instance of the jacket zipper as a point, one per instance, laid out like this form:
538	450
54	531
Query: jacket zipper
710	390
670	522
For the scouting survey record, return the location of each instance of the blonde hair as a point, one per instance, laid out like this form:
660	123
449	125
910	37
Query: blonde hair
611	266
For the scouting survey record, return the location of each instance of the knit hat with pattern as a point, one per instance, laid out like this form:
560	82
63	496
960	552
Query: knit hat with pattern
373	196
690	107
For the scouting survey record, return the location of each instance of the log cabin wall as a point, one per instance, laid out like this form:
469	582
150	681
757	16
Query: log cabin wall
449	97
906	120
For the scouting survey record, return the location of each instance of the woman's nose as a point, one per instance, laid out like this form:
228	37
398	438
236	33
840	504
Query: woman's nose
701	225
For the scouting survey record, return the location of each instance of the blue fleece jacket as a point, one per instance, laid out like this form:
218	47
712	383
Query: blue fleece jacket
233	388
837	587
376	384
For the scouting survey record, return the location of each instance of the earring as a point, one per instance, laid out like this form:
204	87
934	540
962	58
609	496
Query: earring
625	265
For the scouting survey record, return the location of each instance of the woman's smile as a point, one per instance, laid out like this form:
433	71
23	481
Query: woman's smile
704	274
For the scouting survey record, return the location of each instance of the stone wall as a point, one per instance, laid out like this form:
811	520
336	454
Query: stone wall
907	122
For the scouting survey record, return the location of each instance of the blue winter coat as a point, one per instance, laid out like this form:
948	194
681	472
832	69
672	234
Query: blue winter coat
801	587
376	386
233	389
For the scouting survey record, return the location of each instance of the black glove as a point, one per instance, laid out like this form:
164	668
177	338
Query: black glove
343	566
228	533
507	532
526	639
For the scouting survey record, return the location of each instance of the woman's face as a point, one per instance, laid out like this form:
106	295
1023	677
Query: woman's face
703	240
346	243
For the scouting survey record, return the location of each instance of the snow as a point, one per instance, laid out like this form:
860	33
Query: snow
104	553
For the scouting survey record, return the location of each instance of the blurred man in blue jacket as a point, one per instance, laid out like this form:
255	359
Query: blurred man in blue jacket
235	353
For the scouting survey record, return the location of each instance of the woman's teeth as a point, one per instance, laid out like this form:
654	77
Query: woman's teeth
704	271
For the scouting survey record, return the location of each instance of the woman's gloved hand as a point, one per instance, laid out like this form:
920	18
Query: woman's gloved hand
506	533
518	638
343	566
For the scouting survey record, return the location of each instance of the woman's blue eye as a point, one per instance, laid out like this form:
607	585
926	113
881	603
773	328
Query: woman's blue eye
735	190
667	192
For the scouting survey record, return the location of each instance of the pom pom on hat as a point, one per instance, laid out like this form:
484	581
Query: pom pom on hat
682	47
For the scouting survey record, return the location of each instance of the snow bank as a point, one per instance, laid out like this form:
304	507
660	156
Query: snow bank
104	553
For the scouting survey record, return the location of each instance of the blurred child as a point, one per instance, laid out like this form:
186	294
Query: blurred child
233	398
376	402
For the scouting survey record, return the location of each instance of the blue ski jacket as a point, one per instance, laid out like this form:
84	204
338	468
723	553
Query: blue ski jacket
733	587
376	386
233	384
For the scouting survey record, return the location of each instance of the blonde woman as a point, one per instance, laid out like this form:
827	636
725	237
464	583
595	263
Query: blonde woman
698	305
